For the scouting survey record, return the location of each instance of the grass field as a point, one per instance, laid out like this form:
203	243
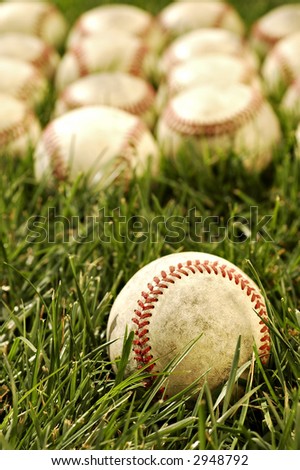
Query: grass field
59	276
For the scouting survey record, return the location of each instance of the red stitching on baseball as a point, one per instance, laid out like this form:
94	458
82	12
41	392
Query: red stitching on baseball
59	169
135	67
218	23
52	148
16	130
29	87
139	107
226	126
263	36
286	69
82	29
79	56
144	104
176	87
42	17
44	59
142	347
132	139
170	58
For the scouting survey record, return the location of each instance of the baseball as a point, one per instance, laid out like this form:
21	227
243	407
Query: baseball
291	100
114	51
39	19
205	1
99	141
282	65
117	89
179	18
206	41
30	49
19	127
22	80
274	26
215	69
217	121
178	298
124	18
23	1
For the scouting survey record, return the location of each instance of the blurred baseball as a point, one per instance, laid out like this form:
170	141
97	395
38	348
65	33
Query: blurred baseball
206	41
219	121
24	1
291	100
22	80
282	65
99	141
174	300
214	69
39	19
117	89
124	18
274	26
19	127
30	49
205	1
113	51
179	18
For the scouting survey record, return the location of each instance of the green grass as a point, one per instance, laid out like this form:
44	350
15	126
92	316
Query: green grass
57	388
